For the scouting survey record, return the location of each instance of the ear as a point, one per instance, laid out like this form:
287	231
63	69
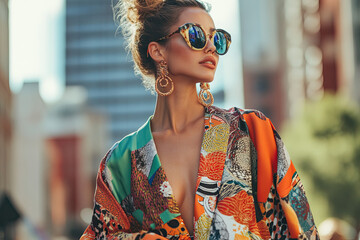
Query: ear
156	51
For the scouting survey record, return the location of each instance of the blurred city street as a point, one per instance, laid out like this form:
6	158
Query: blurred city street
68	92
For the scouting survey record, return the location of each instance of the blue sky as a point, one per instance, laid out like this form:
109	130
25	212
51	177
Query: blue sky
35	46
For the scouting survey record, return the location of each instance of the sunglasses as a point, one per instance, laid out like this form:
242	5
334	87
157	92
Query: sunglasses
195	37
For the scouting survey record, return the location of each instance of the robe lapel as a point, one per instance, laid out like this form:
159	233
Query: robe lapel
152	196
211	167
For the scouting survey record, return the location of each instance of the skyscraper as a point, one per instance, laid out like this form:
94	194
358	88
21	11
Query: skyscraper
96	59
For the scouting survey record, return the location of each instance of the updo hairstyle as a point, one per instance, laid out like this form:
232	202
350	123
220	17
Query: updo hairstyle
144	21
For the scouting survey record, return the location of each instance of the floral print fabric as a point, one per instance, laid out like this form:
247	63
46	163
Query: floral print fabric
247	186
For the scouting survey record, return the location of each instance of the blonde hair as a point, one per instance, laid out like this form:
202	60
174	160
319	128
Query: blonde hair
144	21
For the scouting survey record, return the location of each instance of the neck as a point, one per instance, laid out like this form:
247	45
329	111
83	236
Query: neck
175	112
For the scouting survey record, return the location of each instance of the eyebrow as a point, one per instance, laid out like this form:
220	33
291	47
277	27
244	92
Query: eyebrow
211	29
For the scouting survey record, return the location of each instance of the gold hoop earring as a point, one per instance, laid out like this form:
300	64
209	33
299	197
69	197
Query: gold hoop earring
163	80
205	97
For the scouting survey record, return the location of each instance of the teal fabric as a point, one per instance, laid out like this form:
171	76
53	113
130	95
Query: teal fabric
167	216
118	165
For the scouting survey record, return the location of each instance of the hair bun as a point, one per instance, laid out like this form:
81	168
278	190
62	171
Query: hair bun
139	10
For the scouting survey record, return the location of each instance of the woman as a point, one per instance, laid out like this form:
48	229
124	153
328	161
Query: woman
193	170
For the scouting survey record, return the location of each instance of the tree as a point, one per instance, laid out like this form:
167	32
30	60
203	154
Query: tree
324	143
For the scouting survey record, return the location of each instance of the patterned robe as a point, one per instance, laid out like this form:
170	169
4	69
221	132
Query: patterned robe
247	186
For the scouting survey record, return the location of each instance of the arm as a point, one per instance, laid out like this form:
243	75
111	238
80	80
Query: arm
278	187
292	198
109	220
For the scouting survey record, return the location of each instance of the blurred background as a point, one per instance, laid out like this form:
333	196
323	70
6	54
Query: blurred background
68	92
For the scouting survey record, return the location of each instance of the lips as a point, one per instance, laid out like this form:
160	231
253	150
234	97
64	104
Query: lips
209	61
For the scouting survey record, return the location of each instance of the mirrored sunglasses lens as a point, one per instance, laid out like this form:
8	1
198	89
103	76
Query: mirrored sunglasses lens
197	37
220	42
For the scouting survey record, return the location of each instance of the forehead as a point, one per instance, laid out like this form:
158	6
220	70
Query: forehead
195	15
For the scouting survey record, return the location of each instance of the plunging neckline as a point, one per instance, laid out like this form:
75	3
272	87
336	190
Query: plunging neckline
157	157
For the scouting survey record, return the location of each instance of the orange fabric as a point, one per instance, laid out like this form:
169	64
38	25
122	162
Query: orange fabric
231	207
292	219
286	184
105	198
210	166
153	236
263	138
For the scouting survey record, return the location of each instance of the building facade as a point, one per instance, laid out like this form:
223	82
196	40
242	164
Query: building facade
75	139
320	49
5	97
296	50
96	60
263	57
356	28
28	171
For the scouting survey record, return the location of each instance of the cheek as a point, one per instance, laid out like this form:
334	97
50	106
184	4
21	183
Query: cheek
180	58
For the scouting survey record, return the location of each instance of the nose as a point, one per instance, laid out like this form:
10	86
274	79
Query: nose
210	47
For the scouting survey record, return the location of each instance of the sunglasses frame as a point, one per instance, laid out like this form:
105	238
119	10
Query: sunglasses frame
184	31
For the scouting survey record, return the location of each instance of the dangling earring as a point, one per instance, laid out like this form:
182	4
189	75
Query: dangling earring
205	97
163	80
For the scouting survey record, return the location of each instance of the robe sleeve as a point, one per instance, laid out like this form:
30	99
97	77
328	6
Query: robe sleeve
279	191
291	196
109	220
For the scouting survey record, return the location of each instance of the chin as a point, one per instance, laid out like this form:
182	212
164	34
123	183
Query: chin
207	79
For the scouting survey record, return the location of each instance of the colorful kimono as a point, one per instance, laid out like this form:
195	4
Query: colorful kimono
247	186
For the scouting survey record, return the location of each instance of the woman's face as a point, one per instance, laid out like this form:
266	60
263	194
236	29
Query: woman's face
196	65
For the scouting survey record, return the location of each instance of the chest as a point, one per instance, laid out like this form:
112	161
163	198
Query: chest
179	156
182	163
